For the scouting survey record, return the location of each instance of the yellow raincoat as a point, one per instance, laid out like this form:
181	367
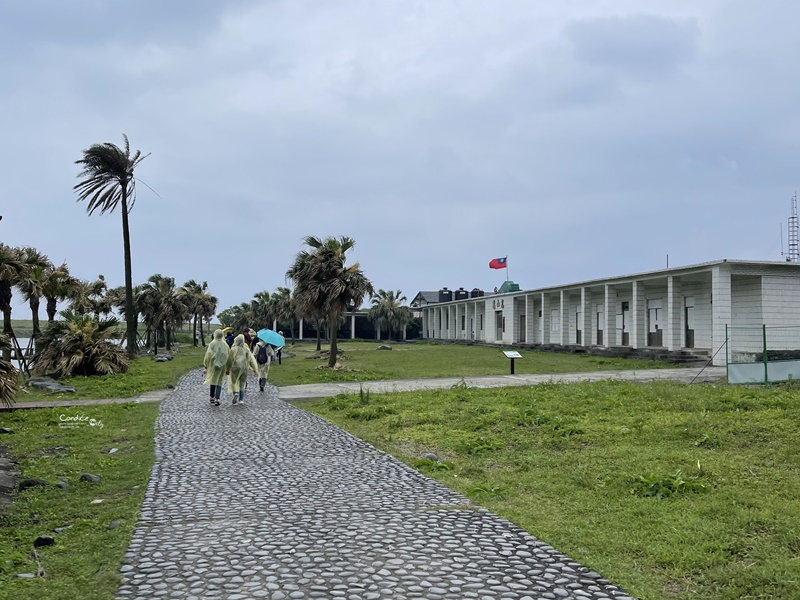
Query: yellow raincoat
216	360
240	361
263	370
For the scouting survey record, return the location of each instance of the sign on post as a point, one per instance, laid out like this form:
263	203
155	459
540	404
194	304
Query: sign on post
512	354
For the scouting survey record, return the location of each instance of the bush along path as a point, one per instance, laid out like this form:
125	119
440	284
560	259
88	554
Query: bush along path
269	501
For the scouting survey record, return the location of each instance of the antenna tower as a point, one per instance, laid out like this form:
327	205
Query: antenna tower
793	255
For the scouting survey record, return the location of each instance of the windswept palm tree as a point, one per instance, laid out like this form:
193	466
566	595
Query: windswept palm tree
193	295
208	307
57	287
262	311
11	268
8	375
283	307
89	296
162	308
15	265
32	283
325	285
107	182
388	310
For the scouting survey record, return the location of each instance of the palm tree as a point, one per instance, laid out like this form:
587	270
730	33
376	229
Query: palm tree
8	375
193	295
81	345
325	285
88	296
283	307
262	310
15	265
208	307
108	181
32	283
57	287
162	309
387	309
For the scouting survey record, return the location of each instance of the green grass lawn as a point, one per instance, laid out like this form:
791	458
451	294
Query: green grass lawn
671	491
84	562
144	375
364	362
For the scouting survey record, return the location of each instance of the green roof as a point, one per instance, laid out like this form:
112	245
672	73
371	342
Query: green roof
508	286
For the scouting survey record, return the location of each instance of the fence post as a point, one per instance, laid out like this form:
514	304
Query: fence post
727	355
766	360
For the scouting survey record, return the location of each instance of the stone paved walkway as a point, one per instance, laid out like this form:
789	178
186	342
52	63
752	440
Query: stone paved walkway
323	390
269	501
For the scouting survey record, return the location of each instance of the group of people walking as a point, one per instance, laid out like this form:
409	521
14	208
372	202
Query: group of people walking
234	357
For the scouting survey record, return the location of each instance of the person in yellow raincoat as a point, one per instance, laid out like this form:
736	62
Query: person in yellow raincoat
216	363
240	361
263	368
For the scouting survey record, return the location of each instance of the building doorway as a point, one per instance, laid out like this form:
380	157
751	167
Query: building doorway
600	315
654	331
626	307
688	319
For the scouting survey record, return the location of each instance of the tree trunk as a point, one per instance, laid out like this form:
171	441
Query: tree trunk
168	338
194	330
52	308
130	312
319	336
34	304
332	322
5	306
202	333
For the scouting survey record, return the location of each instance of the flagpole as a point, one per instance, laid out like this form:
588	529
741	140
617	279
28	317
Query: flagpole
506	267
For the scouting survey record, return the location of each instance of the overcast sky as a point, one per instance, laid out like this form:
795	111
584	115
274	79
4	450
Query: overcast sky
581	138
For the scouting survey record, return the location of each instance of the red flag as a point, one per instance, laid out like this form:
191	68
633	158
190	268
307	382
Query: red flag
498	263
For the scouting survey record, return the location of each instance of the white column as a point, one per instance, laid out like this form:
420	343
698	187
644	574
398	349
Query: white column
274	324
674	310
720	309
586	317
377	333
300	330
564	311
545	320
638	316
353	326
404	331
610	325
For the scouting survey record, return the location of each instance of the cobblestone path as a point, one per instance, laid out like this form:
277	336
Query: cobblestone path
268	501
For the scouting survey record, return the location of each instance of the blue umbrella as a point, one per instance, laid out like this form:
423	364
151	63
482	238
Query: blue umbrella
273	338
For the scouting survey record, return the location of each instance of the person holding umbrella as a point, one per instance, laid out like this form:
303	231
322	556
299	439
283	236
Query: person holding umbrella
240	361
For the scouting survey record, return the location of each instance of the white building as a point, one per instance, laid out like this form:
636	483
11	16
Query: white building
671	310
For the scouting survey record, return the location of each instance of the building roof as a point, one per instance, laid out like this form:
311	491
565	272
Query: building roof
743	264
427	297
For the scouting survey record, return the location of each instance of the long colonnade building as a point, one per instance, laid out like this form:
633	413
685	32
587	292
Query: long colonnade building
671	310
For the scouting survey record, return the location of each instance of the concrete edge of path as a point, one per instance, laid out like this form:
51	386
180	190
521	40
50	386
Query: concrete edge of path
153	396
325	390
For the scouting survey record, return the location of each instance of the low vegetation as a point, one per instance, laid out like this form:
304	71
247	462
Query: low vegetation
671	491
362	361
144	375
84	562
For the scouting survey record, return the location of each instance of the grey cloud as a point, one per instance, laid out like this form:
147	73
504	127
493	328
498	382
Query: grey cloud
642	45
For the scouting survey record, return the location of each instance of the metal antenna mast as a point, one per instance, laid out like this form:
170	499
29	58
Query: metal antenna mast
793	255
